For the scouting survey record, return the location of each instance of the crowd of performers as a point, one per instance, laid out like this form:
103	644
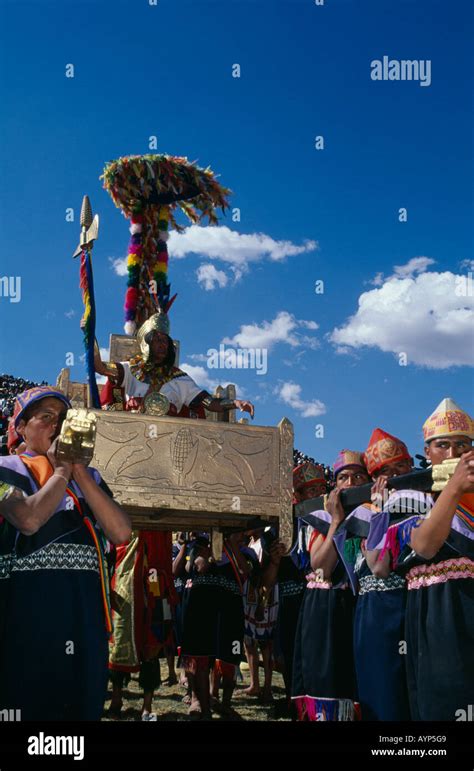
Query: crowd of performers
369	616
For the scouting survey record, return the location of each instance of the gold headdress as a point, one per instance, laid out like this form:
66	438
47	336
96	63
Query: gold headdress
159	322
448	420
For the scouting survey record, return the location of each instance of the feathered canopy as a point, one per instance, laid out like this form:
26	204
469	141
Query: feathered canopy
136	181
148	189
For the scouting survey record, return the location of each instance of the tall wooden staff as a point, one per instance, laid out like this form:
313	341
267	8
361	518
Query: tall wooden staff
89	233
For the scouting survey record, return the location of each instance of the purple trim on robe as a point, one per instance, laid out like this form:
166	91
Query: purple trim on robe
326	517
320	514
363	514
15	463
360	512
380	522
339	541
424	500
378	529
459	526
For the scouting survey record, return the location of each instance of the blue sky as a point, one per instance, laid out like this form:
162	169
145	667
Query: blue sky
166	70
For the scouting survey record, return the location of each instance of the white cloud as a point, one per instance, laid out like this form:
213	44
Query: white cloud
197	356
298	359
290	393
283	329
119	265
208	276
467	265
222	243
429	317
345	349
69	314
203	379
412	267
377	280
235	250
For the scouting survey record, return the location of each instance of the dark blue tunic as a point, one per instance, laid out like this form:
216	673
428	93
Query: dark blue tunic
53	640
378	653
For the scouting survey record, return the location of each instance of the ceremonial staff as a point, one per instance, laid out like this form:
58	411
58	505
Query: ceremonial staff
89	233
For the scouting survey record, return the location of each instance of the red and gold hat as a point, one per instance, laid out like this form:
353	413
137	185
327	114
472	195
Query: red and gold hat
448	420
309	474
384	448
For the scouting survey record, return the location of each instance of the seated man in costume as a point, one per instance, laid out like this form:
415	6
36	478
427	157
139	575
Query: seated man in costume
151	379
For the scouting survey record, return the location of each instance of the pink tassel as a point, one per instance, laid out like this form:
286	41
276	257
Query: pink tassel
392	545
300	708
311	709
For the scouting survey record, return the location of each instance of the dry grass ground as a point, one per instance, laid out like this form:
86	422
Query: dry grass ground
168	702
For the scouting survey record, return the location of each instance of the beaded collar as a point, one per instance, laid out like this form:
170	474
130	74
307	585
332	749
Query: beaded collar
151	373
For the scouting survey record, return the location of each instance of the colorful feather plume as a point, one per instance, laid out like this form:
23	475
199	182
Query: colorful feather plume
148	189
86	284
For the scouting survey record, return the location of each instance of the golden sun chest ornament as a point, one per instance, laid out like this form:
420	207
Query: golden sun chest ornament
155	404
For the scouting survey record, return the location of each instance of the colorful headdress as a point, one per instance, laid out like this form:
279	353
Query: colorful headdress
309	474
148	189
32	395
348	458
448	420
384	448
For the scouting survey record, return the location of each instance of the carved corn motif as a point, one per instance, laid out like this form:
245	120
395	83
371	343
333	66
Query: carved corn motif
182	447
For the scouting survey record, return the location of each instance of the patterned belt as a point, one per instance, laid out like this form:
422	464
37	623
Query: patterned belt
315	582
212	580
440	573
54	556
290	588
374	584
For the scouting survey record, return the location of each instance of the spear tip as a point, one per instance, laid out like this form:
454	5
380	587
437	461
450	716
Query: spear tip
86	212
